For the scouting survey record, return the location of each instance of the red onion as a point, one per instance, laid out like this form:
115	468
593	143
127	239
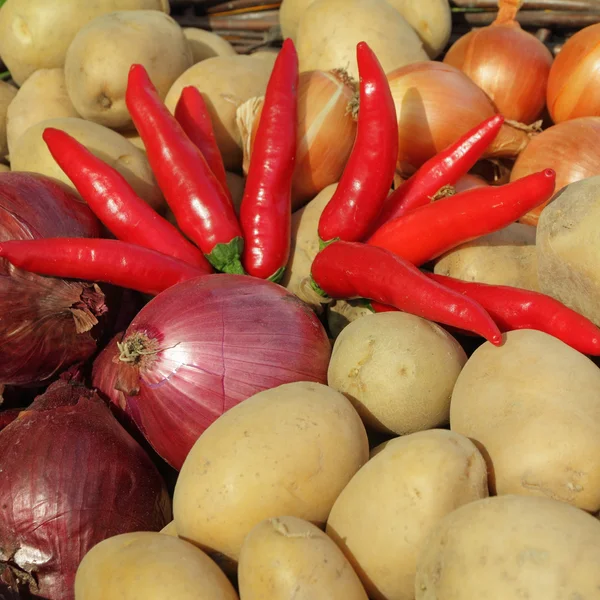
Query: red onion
70	476
45	323
203	346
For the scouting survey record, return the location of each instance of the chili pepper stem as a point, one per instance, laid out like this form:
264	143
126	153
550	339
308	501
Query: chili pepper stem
276	277
226	257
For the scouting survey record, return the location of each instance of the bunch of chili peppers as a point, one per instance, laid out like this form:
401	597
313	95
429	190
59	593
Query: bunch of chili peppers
372	241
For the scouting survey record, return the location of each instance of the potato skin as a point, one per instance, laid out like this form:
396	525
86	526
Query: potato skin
150	566
398	370
289	450
206	44
511	547
7	95
567	248
382	517
43	96
533	407
31	154
287	557
99	58
36	34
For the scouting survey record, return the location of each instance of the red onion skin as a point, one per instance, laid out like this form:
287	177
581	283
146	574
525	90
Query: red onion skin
40	316
220	339
70	476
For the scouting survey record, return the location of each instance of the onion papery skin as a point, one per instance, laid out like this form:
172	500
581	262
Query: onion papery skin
46	323
509	64
216	341
571	148
70	476
573	85
435	105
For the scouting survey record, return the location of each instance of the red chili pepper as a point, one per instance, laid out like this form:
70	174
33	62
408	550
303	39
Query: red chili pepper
193	116
115	202
350	270
369	172
266	210
429	231
108	261
200	205
445	168
515	308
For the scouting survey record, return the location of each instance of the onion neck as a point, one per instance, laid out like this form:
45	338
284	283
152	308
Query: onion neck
88	308
507	12
136	352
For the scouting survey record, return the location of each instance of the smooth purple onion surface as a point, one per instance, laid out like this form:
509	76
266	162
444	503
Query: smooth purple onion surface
70	476
203	346
46	324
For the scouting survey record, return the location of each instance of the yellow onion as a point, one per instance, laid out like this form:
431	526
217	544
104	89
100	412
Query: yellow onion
573	86
435	105
571	148
510	65
326	131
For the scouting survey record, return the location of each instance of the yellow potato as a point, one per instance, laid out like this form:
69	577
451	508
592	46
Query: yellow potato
35	34
7	95
533	407
43	96
340	313
134	137
268	55
226	82
290	13
206	44
286	557
149	566
169	529
505	257
383	516
398	370
511	547
32	154
99	58
289	450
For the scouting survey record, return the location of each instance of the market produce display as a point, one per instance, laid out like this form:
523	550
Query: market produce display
313	318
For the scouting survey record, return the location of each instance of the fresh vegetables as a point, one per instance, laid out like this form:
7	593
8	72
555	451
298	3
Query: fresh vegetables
429	231
206	44
348	270
202	208
265	214
370	169
70	476
204	346
116	204
7	94
110	261
509	64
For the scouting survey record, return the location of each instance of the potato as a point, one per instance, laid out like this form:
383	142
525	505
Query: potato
268	55
305	240
134	137
169	529
287	557
149	566
43	96
511	547
4	169
398	370
340	313
206	44
99	58
226	82
375	22
290	13
382	517
533	407
505	257
35	34
7	95
567	248
31	154
289	451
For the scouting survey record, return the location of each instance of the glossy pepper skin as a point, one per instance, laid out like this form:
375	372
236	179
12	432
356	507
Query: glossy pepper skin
201	207
266	210
193	116
115	203
108	261
444	169
369	172
351	269
515	308
429	231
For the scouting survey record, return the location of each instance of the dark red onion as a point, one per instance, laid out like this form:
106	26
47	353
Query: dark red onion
70	476
45	323
203	346
6	418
